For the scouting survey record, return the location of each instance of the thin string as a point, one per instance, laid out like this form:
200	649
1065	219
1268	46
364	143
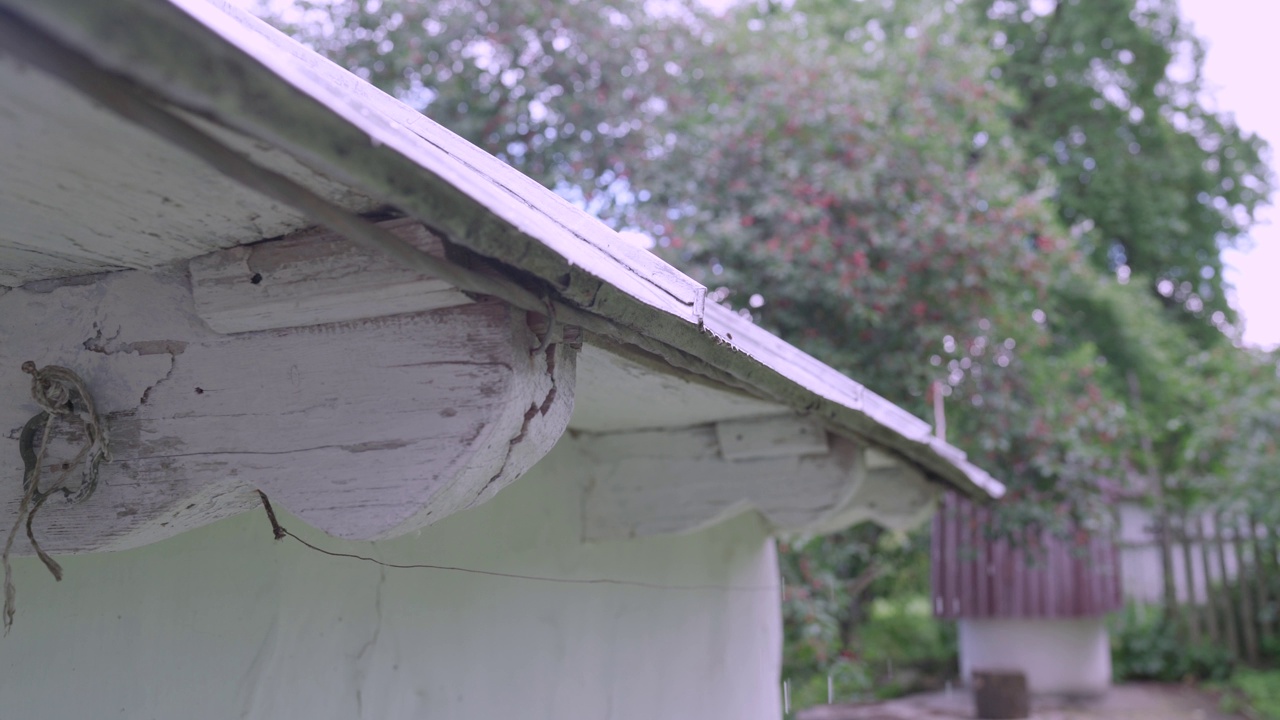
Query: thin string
11	592
42	495
280	532
57	391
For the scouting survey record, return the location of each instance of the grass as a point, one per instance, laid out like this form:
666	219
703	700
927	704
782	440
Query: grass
1256	692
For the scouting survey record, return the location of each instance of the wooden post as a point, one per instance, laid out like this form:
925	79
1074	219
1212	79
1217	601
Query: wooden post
1262	570
1190	608
1166	558
1210	603
1245	580
1228	613
1000	695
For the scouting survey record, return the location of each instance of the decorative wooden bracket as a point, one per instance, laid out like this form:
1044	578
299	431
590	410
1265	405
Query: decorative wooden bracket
365	428
892	494
799	478
315	277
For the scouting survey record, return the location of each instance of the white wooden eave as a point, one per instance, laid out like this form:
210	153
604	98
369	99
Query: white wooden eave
362	394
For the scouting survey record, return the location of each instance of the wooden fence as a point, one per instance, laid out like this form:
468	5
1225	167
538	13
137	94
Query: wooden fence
1040	577
1216	572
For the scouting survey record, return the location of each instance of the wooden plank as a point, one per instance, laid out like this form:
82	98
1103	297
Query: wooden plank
1190	611
83	191
937	558
982	568
892	423
663	482
1116	597
1211	599
365	429
769	437
1098	578
315	277
1165	541
619	394
898	498
279	90
1262	566
877	459
1230	623
967	559
1245	580
1000	605
953	542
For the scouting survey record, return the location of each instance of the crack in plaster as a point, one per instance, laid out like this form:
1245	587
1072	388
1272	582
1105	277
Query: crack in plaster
109	346
253	674
362	670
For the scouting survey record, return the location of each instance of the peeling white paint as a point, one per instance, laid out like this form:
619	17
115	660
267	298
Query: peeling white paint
366	429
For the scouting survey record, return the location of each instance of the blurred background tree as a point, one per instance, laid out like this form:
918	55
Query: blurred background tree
1153	184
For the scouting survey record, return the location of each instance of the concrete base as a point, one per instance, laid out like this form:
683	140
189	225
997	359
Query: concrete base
1059	657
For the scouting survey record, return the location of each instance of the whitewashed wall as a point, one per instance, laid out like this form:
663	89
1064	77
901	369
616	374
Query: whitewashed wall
1059	657
223	622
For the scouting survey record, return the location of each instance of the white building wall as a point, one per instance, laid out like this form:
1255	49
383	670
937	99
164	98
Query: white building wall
224	622
1058	657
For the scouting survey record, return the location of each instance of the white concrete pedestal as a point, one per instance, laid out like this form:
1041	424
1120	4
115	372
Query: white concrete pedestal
1059	657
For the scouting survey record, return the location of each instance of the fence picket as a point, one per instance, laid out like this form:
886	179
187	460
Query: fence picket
1190	607
1210	602
1245	581
1224	590
1261	574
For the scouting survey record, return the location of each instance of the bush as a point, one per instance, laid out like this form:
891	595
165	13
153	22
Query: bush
903	631
1147	646
850	680
1261	691
875	640
899	648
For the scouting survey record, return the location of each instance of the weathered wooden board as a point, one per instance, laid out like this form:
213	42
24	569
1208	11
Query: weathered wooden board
82	191
776	436
659	482
889	424
617	394
315	277
365	429
204	50
898	498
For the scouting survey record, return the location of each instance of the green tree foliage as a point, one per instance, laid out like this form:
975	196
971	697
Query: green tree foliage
1154	183
853	169
1232	454
858	610
567	92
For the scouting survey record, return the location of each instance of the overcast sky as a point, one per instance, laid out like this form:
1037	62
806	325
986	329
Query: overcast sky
1241	67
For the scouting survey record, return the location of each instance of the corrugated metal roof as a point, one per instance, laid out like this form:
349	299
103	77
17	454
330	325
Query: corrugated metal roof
1042	577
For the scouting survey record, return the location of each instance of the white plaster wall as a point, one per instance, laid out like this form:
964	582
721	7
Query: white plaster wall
223	622
1059	657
